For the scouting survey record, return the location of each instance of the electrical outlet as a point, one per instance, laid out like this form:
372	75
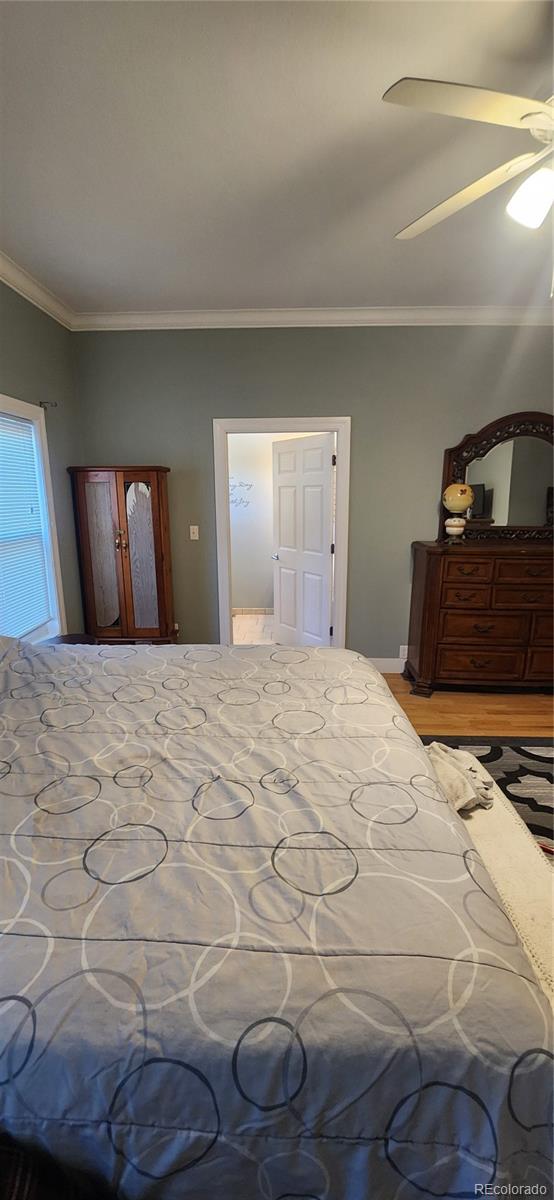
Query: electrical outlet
402	651
194	533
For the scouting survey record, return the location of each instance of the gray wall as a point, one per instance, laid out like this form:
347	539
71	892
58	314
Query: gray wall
149	397
35	365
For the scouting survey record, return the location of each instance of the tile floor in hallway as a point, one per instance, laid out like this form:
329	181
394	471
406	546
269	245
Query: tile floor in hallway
252	629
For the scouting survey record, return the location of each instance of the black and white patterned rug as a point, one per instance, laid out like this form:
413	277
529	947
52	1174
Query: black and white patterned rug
523	769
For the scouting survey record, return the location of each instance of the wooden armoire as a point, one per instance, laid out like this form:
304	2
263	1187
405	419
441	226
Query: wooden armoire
122	523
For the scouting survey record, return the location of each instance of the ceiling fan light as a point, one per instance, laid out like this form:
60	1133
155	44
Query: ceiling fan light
533	199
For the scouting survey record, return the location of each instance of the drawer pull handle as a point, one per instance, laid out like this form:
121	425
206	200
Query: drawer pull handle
468	570
481	664
465	595
536	572
483	628
532	597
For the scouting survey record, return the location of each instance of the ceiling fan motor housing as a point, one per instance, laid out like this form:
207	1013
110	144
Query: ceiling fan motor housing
539	125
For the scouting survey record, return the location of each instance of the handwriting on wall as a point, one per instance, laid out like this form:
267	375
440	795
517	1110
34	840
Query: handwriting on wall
240	492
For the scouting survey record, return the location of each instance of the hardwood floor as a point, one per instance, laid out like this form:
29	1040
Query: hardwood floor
462	714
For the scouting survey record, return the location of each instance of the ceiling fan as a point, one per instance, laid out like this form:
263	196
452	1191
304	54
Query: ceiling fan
532	201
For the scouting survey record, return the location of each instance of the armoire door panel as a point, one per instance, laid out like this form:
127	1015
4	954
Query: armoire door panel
103	540
100	553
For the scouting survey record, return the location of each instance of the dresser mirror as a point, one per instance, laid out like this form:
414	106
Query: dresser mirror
509	467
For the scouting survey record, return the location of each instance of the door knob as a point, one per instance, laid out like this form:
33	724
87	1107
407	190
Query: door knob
275	557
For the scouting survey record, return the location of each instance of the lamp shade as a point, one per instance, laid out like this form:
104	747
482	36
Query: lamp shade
533	199
457	497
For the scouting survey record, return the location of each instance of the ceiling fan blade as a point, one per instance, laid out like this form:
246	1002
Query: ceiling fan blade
474	191
472	103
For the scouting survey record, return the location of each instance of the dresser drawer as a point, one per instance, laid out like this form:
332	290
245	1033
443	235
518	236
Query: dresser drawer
521	597
474	569
540	664
523	570
542	628
465	596
486	627
480	664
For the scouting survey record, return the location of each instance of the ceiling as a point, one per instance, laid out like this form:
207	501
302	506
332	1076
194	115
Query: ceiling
206	156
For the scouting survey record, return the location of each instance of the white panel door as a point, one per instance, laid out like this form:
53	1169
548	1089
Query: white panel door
303	486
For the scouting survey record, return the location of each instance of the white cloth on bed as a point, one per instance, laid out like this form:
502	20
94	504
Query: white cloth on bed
465	782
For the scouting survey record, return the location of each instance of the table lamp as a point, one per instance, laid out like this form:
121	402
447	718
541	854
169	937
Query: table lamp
457	498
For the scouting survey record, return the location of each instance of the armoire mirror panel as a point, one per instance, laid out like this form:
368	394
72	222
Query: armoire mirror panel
142	552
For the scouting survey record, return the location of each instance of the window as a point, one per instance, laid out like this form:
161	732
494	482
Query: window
31	603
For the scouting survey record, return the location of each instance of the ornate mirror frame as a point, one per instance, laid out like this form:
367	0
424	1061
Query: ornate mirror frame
476	445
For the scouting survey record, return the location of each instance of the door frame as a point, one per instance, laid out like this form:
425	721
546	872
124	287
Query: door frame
222	427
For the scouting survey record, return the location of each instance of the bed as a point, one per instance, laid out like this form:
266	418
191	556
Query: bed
248	950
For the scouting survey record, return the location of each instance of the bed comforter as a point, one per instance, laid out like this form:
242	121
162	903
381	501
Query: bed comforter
248	950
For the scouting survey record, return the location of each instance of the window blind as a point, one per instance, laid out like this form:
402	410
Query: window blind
25	600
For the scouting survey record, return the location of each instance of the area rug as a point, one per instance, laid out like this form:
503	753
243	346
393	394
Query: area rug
523	770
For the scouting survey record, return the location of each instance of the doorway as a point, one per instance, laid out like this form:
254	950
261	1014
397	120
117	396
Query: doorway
282	527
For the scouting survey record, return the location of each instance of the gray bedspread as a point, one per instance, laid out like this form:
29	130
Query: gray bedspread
248	950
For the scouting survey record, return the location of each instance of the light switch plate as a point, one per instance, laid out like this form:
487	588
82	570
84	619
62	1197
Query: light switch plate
194	533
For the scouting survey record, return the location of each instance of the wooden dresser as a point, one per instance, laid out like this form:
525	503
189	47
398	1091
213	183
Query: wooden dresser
481	616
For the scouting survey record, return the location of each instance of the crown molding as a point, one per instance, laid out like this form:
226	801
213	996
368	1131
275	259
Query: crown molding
29	287
304	318
263	318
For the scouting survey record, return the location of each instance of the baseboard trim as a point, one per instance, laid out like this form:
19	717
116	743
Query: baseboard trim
390	666
252	612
